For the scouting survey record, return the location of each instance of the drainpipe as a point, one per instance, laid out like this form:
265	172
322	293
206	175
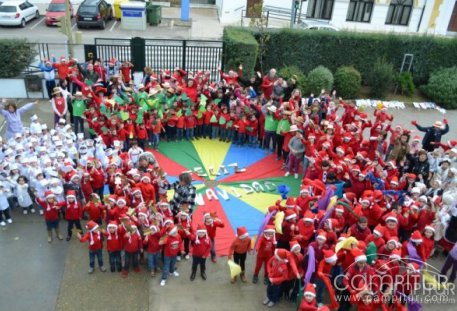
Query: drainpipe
422	15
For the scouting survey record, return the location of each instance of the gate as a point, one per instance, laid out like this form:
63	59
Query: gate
190	55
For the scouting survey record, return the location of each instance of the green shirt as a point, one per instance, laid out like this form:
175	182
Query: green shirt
283	126
79	105
271	124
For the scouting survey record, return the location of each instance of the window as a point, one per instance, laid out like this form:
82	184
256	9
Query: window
320	9
360	11
399	12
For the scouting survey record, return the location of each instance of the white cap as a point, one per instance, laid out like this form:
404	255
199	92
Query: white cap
34	117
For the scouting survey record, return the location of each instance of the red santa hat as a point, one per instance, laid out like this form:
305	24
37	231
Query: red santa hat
391	217
91	226
49	194
416	138
394	180
290	214
121	201
379	230
200	229
429	227
270	229
309	216
71	194
321	234
329	256
349	196
416	237
358	255
242	232
341	149
396	254
112	198
294	246
281	254
310	290
111	224
339	209
146	177
136	190
290	203
172	230
395	240
365	199
305	189
452	143
392	164
414	266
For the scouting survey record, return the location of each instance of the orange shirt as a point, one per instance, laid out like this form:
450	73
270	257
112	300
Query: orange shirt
240	246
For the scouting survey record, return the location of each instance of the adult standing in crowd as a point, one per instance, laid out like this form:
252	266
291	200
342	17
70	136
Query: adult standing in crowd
12	115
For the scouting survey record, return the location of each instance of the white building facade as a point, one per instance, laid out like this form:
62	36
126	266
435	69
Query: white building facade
406	16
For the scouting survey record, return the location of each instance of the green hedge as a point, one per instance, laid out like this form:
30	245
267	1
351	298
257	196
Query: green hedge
309	49
347	82
442	87
295	73
15	56
240	47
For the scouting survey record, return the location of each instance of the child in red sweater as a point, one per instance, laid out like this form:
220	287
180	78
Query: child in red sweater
152	242
73	214
212	223
191	123
142	135
114	246
265	250
238	250
95	209
95	245
180	125
201	249
172	244
132	246
51	213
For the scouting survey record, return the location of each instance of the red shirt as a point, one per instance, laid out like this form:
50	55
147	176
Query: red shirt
211	229
141	132
97	178
277	270
152	241
113	242
181	122
51	211
94	210
202	248
265	248
240	246
132	242
190	121
74	211
172	245
95	242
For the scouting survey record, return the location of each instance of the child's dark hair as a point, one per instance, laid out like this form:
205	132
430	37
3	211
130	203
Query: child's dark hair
22	177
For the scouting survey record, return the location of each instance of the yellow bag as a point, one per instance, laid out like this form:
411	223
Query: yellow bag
235	269
279	218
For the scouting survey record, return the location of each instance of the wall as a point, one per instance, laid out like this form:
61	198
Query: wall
229	15
12	88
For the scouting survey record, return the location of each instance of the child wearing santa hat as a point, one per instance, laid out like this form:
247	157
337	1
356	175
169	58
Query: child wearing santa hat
133	245
114	246
238	250
95	209
308	302
428	241
51	213
94	237
201	249
74	213
265	250
277	270
211	223
153	248
172	244
184	223
324	271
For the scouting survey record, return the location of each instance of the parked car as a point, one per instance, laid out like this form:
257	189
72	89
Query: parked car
17	13
93	13
55	11
316	25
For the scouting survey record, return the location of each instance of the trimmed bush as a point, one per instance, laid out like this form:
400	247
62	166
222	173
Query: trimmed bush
319	78
406	84
240	47
294	72
347	82
333	49
381	78
442	87
15	56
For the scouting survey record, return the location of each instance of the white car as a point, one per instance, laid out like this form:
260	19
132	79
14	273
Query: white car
17	13
316	25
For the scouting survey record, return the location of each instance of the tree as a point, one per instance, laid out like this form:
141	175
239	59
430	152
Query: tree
260	26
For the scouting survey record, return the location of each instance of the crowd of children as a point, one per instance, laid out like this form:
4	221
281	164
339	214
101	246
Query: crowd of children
397	195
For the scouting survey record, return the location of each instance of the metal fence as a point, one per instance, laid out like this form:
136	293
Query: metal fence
190	55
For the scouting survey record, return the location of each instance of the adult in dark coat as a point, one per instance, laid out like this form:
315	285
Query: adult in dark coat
432	134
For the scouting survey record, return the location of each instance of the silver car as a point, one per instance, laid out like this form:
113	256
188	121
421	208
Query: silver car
316	25
17	13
